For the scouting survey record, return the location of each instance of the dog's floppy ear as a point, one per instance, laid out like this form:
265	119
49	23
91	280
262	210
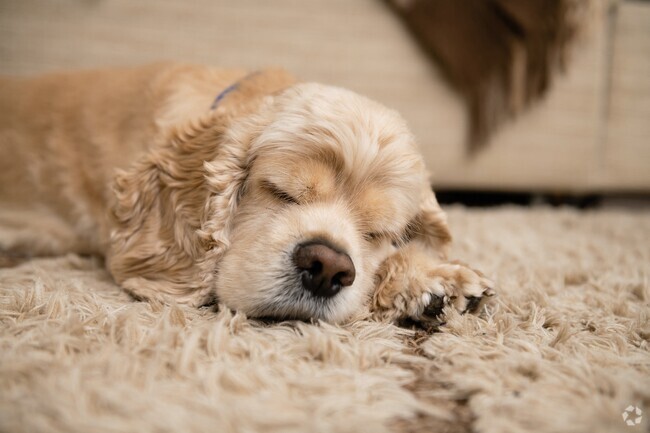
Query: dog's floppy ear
430	224
172	211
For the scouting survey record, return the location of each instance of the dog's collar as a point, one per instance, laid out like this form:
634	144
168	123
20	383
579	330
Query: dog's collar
230	89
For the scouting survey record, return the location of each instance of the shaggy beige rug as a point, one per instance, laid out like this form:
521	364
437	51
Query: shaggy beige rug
564	348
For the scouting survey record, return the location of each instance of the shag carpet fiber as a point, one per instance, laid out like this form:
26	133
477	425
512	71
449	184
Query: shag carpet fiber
563	348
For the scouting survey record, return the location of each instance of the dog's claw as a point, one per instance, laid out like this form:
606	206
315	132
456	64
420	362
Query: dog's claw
434	308
473	303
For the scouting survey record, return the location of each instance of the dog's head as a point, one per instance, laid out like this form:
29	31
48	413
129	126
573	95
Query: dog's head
284	211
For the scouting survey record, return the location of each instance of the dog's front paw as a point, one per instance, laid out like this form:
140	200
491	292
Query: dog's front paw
452	284
420	293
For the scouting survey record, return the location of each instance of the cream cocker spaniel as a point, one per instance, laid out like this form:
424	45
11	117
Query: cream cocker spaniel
277	198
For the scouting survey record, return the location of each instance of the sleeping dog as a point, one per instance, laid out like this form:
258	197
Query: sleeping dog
275	197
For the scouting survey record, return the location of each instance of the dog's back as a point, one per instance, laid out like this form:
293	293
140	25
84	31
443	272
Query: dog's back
62	136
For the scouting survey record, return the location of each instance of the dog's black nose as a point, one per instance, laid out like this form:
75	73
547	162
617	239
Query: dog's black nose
323	270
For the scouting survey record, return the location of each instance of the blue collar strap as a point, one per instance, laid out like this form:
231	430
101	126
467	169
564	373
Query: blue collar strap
231	88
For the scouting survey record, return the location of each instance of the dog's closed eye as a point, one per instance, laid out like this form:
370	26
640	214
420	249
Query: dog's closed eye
278	193
395	239
373	236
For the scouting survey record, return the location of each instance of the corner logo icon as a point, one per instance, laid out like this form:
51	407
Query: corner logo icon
632	415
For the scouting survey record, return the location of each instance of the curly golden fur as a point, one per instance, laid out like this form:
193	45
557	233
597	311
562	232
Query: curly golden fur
199	204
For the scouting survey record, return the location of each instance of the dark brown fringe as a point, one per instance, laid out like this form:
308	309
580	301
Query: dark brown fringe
500	55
